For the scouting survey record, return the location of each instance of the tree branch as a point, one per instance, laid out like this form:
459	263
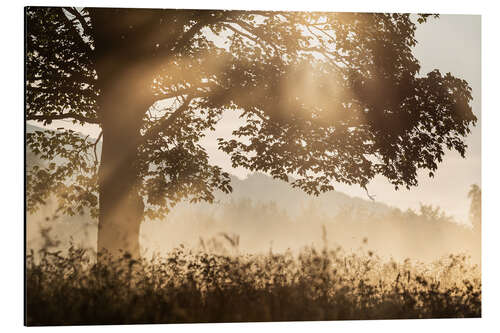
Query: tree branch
81	19
76	35
371	197
95	147
251	30
186	37
166	122
62	90
239	32
60	116
186	91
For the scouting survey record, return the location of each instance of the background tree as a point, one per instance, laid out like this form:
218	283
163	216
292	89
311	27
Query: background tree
325	98
475	206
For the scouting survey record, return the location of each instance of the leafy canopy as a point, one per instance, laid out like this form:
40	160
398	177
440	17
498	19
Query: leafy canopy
325	98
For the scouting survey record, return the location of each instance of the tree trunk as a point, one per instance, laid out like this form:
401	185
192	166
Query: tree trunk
120	206
124	80
123	103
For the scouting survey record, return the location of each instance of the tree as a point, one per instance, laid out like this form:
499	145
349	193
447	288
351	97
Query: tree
325	97
475	206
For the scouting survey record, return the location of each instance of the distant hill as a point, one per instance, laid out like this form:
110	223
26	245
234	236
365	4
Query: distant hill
262	188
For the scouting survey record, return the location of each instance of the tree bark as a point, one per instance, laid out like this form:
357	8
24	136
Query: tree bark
123	102
120	206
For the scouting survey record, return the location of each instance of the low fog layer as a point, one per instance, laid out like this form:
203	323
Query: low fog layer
264	215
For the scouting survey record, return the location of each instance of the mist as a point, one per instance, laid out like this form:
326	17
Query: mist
259	218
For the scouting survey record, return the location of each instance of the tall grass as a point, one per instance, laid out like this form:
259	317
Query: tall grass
198	286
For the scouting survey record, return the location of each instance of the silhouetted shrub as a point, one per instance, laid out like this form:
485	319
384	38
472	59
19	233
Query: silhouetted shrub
196	286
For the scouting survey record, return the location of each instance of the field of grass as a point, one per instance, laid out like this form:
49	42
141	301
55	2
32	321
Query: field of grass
196	286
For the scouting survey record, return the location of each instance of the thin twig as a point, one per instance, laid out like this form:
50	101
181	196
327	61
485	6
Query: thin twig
372	197
95	147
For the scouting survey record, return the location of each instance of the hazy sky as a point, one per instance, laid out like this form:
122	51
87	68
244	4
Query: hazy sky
451	43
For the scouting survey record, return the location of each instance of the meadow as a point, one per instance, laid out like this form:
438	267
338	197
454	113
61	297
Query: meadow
200	285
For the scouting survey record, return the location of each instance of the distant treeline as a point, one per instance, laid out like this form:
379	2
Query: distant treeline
425	234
